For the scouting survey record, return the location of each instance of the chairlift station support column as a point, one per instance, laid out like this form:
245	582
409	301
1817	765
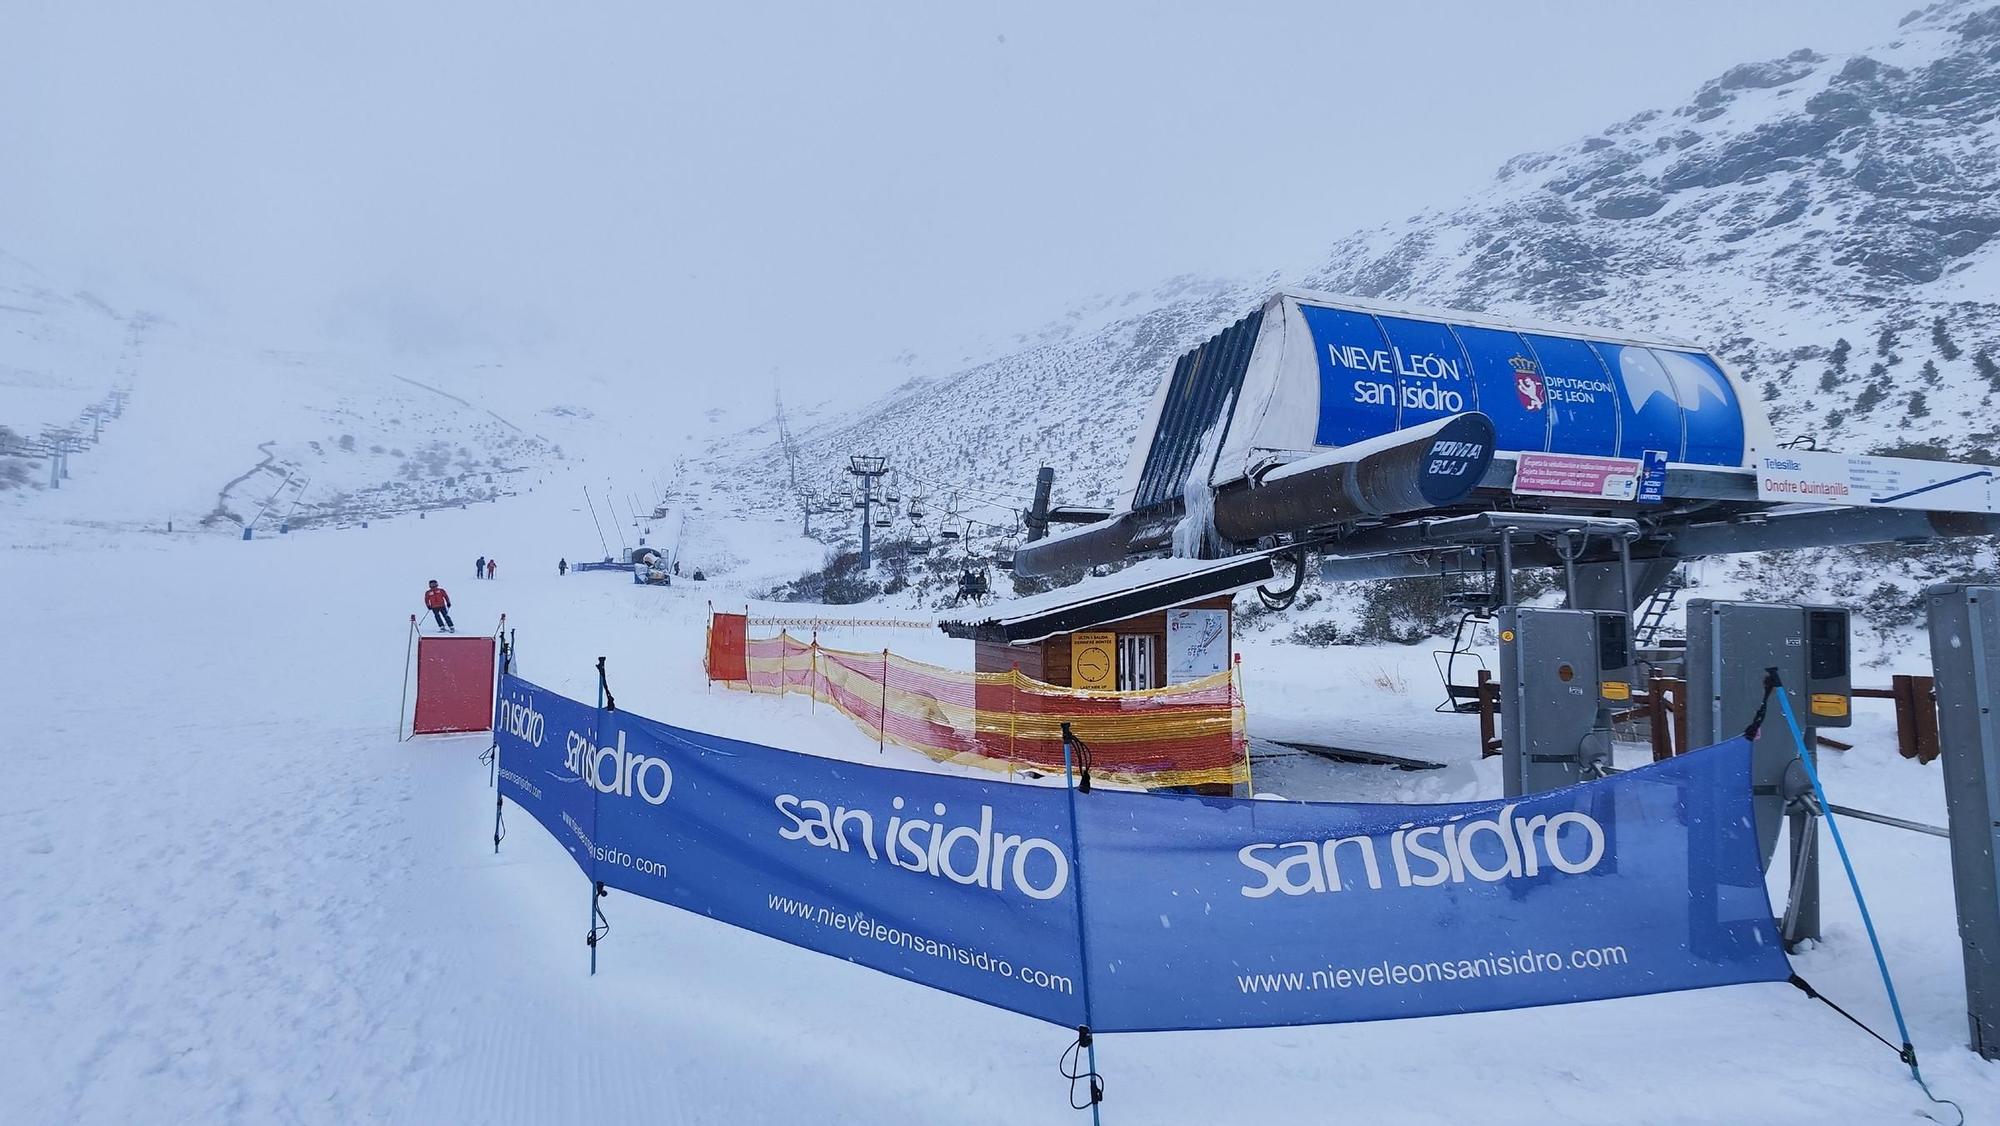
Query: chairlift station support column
1965	647
869	468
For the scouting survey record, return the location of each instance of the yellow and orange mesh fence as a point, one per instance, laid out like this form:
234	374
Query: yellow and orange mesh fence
1187	735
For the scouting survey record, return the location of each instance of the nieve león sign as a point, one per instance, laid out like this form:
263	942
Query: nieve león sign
1195	912
1544	393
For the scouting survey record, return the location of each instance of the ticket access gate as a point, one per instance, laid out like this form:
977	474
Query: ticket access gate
1563	673
1965	647
1731	646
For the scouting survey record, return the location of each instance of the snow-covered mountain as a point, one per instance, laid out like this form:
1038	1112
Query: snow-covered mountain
1829	224
221	422
65	347
216	419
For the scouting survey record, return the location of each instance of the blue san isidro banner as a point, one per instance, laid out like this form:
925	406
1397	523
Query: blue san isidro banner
542	739
1141	912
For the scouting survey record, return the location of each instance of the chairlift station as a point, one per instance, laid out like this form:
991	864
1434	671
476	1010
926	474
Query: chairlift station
1404	442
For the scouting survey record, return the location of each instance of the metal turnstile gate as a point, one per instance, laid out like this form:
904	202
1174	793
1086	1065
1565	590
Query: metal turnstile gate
1731	647
1562	675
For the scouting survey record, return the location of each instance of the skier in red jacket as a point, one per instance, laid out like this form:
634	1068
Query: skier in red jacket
439	604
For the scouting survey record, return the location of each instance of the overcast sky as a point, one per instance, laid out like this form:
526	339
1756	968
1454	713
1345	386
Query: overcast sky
736	187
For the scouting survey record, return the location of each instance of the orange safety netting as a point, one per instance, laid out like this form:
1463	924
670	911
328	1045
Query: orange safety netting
1187	735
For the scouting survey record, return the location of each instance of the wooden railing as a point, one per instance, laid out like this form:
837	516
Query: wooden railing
1663	705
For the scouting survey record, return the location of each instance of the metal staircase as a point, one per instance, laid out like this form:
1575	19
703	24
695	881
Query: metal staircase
1652	616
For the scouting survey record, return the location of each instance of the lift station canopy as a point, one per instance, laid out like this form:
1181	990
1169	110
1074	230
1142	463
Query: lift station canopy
1308	373
1367	431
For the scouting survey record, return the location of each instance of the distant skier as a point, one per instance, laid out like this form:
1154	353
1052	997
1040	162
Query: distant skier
479	568
439	604
492	568
562	566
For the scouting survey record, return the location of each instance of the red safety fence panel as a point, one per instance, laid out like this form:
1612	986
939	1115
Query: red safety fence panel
454	685
1186	735
726	655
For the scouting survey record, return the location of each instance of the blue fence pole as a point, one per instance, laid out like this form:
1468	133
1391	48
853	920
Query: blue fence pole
606	704
1088	1038
1853	881
493	777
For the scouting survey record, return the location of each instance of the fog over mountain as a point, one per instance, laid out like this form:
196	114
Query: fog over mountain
1786	206
701	201
425	261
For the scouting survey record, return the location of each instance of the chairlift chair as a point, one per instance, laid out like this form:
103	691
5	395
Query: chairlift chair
1476	606
1460	696
974	585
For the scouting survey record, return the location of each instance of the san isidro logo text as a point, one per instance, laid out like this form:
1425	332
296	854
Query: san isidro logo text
1485	849
614	770
608	770
973	855
521	720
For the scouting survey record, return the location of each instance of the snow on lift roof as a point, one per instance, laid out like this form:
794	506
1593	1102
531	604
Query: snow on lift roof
1154	584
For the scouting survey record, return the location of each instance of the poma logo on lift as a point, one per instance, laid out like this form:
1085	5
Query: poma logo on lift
521	721
613	770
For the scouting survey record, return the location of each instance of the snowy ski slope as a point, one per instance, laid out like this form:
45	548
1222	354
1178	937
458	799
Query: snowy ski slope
231	896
